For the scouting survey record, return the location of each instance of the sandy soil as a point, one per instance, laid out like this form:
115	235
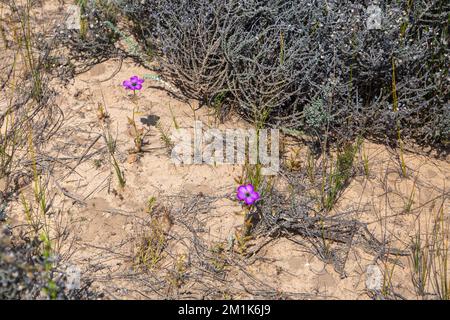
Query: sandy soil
102	223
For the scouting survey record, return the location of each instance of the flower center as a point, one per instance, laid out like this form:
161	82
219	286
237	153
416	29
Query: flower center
133	84
247	194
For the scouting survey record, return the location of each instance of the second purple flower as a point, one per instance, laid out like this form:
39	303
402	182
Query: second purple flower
134	83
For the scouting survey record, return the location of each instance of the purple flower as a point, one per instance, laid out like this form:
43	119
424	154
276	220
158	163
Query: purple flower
135	83
247	194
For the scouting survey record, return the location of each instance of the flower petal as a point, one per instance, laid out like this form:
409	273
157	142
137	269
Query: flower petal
249	188
255	195
127	84
249	201
242	189
138	86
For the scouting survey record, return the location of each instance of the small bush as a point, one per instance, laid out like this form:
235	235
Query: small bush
24	275
275	61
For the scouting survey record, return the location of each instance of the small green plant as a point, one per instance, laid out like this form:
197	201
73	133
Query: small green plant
339	175
32	64
429	259
138	134
174	119
165	138
40	199
325	248
440	279
420	263
111	146
37	215
151	202
365	160
178	274
102	114
242	237
389	268
409	203
150	249
83	18
218	258
51	288
153	238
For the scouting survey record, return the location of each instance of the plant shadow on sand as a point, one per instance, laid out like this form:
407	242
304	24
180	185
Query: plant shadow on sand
150	120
